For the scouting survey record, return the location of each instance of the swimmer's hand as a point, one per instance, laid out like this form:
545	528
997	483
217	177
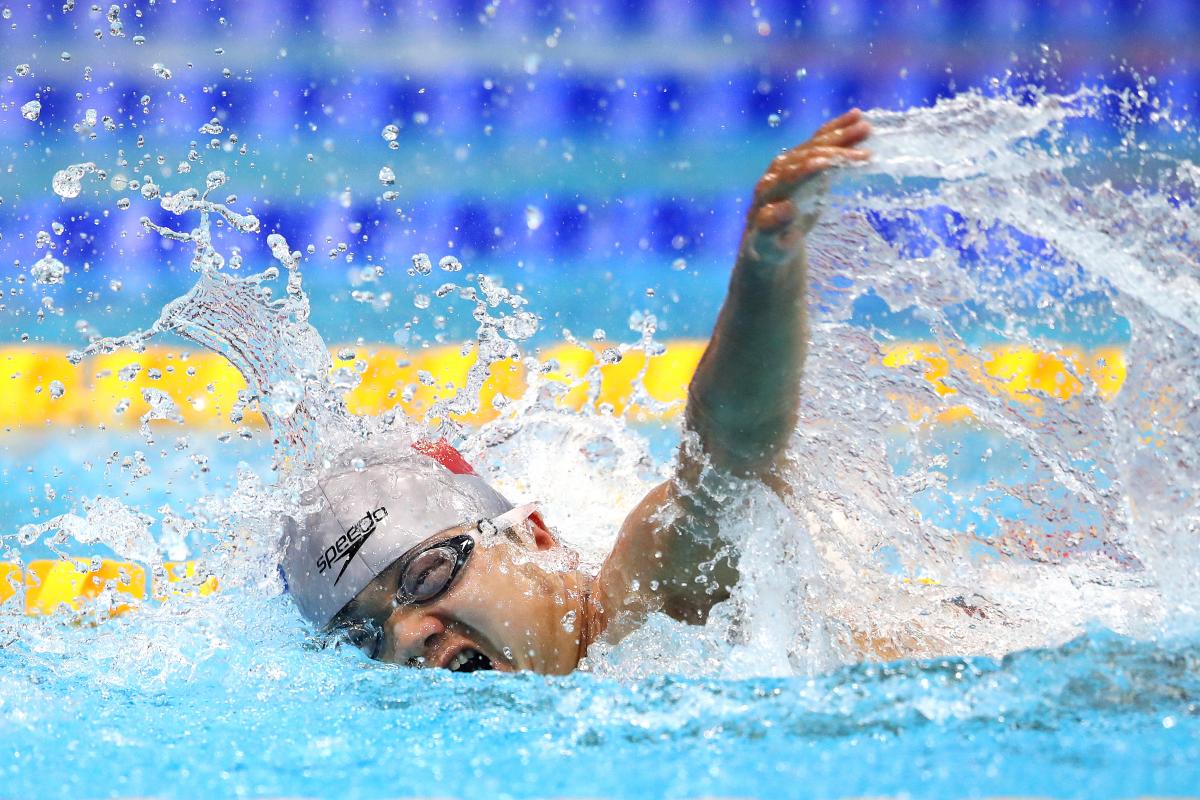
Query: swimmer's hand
785	199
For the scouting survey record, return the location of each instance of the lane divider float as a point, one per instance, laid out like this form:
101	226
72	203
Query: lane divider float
49	586
39	387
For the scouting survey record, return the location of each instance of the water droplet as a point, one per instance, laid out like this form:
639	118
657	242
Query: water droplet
123	203
64	55
533	217
390	133
358	464
422	264
450	264
57	390
68	182
23	70
161	71
610	356
386	176
421	301
31	110
679	265
48	270
520	325
774	120
212	127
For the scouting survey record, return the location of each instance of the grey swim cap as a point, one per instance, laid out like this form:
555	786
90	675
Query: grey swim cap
367	518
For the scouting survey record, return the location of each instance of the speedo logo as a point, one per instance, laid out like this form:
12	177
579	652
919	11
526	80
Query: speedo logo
349	543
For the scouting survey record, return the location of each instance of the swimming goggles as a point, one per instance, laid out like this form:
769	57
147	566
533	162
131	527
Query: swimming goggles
425	574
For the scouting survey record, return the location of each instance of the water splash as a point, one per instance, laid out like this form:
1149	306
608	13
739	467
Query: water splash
270	342
1012	219
985	220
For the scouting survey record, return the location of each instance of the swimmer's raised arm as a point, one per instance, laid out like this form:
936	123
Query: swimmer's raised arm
742	401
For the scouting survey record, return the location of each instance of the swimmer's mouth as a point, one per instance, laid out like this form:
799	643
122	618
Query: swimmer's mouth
469	660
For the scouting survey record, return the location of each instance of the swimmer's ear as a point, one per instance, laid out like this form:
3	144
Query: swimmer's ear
543	539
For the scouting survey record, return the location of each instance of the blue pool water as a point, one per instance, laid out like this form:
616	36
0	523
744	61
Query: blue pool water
597	159
1099	717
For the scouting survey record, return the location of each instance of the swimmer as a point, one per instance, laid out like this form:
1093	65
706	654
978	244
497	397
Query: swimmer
416	560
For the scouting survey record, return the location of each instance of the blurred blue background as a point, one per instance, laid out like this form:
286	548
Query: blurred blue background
580	150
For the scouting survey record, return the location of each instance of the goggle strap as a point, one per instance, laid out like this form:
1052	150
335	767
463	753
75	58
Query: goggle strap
514	517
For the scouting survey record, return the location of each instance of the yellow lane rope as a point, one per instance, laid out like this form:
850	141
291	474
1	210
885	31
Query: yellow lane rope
49	586
39	387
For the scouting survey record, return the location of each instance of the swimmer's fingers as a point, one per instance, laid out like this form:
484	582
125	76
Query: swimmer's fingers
790	170
849	118
847	136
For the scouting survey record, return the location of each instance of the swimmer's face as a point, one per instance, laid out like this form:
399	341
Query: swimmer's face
503	610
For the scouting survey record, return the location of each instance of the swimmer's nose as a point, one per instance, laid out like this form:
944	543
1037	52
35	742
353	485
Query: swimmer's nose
413	635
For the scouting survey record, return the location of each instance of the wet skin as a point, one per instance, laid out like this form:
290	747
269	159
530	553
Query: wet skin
521	603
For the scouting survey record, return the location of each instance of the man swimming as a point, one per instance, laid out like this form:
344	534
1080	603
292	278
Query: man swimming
416	560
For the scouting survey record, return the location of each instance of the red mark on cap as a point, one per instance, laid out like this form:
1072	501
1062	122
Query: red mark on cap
441	452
